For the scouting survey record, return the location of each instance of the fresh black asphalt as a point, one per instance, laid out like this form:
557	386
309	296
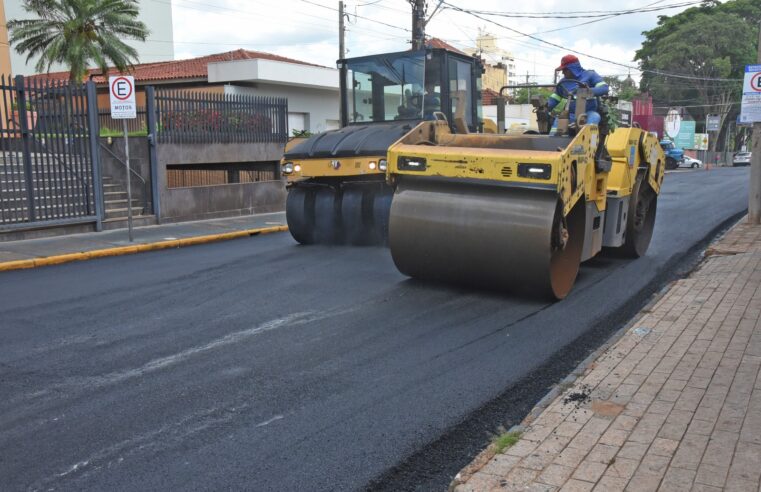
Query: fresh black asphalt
258	364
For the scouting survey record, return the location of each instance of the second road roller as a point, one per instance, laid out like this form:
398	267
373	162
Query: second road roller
520	213
337	191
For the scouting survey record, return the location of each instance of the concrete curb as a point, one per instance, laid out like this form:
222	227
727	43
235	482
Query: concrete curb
137	248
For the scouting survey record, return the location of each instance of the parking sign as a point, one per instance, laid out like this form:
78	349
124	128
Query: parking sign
122	97
750	111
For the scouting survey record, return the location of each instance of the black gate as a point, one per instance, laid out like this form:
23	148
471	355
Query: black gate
47	173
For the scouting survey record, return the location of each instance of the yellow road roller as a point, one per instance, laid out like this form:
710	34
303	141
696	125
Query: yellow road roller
336	180
519	213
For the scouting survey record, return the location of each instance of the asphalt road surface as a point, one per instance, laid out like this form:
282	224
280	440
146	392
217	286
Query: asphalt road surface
262	365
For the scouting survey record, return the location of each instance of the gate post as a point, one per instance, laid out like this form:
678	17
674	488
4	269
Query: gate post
27	152
150	114
94	126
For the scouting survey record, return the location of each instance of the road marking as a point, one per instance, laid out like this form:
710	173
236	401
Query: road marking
163	362
268	422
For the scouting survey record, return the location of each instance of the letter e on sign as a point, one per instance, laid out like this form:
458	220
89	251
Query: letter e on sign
122	97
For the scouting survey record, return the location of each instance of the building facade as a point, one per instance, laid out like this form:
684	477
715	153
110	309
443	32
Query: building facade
499	64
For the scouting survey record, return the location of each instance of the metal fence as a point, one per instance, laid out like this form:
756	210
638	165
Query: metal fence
46	171
203	117
109	125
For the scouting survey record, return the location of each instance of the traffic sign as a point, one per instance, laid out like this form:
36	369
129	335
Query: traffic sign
701	141
122	96
713	123
750	110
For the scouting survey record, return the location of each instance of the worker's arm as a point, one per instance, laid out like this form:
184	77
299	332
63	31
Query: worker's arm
598	85
553	101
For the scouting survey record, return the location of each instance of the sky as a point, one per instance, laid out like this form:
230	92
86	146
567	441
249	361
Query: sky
307	30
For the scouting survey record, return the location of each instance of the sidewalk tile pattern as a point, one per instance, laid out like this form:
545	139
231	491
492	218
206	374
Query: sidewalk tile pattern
674	404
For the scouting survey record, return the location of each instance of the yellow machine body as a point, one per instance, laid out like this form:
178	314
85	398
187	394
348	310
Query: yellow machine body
518	212
364	166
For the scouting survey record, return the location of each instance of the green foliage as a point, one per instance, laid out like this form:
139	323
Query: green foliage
522	95
77	33
505	440
713	41
624	89
110	132
301	133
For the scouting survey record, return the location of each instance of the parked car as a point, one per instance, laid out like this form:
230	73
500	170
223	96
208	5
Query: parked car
691	162
741	159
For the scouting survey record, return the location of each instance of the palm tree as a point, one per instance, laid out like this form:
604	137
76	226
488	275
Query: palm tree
77	33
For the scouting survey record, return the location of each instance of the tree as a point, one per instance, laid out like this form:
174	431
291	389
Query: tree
713	41
522	94
77	33
623	89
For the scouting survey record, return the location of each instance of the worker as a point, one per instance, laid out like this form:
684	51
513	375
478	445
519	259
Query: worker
573	77
431	99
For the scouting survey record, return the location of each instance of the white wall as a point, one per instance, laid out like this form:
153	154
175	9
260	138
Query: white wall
159	46
319	106
274	72
517	116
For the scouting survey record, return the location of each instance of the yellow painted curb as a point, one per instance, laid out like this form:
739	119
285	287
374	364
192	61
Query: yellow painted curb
137	248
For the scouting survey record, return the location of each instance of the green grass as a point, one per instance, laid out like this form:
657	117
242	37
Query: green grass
506	440
108	132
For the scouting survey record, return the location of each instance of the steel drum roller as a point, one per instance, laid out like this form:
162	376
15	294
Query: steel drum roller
490	236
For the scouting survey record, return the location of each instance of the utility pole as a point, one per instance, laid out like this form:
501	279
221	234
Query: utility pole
343	104
418	24
754	193
341	32
528	94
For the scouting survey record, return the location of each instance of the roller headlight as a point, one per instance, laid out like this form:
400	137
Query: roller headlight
372	165
297	168
382	165
288	168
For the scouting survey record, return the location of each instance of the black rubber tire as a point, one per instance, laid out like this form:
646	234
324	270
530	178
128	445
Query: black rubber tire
671	163
694	165
381	212
299	214
641	219
356	216
327	207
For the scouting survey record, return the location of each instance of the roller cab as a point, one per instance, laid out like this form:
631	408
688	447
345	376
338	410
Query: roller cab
517	213
336	180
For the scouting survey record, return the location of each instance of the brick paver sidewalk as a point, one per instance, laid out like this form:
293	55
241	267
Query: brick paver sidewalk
674	404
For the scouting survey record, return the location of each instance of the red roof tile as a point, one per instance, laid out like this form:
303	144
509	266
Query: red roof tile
440	43
489	97
192	68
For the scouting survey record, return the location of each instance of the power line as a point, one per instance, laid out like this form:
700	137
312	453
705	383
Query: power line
586	15
658	72
358	16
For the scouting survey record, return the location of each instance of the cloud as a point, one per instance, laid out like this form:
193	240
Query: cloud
308	30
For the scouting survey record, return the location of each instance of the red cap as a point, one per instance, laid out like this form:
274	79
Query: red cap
567	60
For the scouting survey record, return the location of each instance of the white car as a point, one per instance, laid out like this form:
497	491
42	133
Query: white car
691	162
741	159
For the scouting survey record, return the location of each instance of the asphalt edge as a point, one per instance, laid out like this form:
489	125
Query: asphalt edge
557	390
136	248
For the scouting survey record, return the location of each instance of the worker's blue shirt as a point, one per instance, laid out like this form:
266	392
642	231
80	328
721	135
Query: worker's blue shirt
566	87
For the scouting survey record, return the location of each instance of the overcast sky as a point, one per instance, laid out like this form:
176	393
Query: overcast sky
308	29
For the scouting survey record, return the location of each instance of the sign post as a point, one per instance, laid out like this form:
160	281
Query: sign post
750	112
123	107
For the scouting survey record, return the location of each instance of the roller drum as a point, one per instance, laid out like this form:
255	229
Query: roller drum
493	237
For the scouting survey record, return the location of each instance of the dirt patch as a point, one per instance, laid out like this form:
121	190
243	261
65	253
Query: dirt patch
578	397
606	408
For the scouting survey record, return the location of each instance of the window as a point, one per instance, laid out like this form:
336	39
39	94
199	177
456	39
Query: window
460	90
387	87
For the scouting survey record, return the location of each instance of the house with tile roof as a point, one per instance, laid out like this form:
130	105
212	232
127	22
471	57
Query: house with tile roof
312	90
